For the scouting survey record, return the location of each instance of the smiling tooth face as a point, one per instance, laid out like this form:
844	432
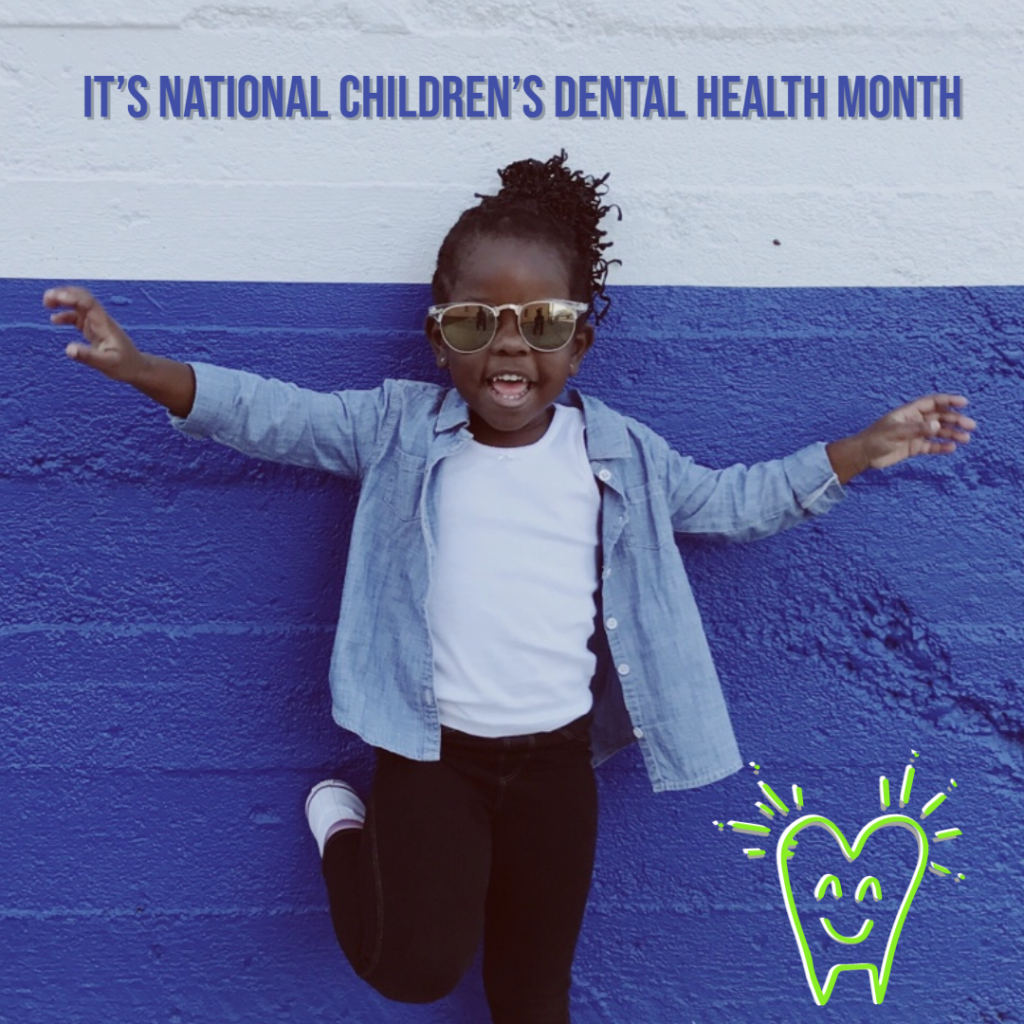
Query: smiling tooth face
830	881
878	974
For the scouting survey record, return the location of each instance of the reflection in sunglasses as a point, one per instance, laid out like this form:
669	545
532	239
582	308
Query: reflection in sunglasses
472	326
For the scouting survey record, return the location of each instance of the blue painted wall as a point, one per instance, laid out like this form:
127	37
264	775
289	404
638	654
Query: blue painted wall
166	614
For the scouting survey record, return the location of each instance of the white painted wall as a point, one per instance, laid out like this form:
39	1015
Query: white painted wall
891	202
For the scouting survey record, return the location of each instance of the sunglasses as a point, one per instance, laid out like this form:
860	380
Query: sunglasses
546	325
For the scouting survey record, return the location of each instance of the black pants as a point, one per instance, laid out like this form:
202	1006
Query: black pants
495	839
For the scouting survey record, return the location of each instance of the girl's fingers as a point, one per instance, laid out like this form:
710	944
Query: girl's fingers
955	433
935	403
950	425
69	295
87	355
964	422
939	448
65	316
931	405
931	423
82	353
906	429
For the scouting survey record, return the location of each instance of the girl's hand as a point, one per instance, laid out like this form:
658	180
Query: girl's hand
927	426
109	349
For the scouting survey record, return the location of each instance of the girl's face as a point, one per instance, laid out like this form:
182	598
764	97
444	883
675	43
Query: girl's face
499	270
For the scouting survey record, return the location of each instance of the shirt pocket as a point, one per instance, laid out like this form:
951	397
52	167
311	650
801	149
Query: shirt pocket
401	484
647	523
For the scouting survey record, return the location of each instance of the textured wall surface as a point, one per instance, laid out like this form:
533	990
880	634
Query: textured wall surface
168	610
167	607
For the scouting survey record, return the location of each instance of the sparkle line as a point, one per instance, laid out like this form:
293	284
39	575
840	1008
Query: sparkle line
908	782
932	805
747	826
773	798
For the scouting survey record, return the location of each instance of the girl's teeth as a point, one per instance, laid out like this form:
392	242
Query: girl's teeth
510	387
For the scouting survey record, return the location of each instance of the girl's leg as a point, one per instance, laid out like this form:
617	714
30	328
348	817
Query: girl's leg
542	860
407	892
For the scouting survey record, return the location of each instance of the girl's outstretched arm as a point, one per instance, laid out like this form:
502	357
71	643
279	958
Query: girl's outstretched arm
926	426
749	502
111	351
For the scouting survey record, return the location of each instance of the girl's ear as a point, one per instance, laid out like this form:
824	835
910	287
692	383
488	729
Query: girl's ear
432	329
581	344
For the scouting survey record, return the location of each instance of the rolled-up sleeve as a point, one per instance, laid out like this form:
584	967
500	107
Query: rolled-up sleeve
337	431
744	503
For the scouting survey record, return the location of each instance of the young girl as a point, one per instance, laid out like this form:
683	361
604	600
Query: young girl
515	607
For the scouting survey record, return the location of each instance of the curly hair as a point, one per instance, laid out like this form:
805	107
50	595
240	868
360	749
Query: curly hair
545	202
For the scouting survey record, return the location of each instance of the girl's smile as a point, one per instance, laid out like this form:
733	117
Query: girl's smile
508	386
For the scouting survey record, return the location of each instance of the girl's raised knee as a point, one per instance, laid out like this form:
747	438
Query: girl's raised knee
419	980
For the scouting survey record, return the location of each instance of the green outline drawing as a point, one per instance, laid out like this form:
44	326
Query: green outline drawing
878	975
879	978
848	940
826	882
868	882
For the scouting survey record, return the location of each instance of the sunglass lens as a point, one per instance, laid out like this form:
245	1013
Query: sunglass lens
469	327
548	325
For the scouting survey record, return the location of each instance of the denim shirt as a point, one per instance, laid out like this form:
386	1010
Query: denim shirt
655	681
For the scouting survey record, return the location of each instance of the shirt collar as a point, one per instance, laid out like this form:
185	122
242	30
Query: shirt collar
606	430
454	412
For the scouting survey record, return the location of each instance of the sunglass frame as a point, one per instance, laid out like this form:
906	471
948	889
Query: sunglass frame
437	313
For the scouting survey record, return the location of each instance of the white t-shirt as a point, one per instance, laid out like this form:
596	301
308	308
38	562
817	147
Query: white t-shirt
511	606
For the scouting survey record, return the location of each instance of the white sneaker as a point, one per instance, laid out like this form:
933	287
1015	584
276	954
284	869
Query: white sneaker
333	806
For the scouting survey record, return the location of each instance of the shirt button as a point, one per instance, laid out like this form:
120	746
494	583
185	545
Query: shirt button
612	622
428	696
623	669
638	733
605	573
604	475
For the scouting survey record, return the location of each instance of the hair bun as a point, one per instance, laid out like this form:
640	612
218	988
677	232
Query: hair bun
548	201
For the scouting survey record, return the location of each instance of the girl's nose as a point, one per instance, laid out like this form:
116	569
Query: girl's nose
507	337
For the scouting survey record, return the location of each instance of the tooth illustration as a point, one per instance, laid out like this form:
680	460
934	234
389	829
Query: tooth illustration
878	974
